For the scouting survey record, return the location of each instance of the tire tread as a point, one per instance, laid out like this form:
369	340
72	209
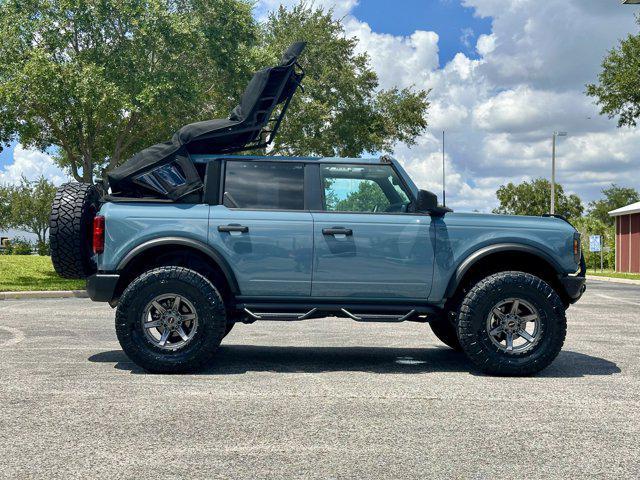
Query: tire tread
471	303
67	230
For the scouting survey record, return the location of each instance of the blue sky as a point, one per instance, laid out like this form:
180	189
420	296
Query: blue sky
6	156
456	25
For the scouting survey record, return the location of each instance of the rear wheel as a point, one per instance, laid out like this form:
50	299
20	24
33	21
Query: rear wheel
512	323
170	320
71	221
445	330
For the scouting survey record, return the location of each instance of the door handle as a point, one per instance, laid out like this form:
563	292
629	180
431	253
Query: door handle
337	231
233	228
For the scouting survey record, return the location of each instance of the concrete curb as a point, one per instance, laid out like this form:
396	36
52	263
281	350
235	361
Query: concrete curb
628	281
44	294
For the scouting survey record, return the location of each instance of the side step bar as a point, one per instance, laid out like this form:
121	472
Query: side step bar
263	312
280	316
365	317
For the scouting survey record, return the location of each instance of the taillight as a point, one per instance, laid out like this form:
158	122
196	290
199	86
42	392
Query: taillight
98	234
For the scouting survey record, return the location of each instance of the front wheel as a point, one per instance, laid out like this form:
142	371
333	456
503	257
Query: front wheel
512	323
170	320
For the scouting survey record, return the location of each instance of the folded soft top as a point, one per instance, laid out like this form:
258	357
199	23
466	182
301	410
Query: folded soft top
165	168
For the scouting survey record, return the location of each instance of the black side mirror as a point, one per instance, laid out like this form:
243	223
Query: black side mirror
427	202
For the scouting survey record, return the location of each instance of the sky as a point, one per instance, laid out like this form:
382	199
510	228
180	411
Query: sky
503	74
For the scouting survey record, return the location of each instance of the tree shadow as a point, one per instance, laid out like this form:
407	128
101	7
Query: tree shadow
238	359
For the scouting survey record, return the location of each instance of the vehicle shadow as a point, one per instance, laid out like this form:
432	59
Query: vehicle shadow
238	359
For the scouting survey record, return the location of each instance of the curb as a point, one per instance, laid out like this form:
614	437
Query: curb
628	281
44	294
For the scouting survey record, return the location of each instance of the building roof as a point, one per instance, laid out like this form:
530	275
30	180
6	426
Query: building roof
628	210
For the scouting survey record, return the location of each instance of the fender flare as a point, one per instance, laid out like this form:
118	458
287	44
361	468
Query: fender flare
207	250
483	252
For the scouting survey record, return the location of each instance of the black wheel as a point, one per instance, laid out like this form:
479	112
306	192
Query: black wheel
170	320
445	330
512	324
71	222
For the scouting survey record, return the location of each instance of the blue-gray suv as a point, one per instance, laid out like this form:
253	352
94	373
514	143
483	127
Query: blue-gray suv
185	243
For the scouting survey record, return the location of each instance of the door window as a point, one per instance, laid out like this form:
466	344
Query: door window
264	185
363	188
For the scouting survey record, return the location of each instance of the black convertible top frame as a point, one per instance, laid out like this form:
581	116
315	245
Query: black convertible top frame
166	170
265	137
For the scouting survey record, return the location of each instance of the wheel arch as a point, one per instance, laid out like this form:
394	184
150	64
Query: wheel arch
502	257
149	254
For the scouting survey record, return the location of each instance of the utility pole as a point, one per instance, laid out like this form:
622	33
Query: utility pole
444	195
553	169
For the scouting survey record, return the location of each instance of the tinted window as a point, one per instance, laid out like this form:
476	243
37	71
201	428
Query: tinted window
363	188
264	185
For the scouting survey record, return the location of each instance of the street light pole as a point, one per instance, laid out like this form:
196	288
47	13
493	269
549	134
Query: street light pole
553	169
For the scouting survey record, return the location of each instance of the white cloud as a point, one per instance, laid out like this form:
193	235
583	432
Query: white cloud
499	111
486	44
398	61
31	164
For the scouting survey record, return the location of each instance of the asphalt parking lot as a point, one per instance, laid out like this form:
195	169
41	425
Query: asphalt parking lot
316	399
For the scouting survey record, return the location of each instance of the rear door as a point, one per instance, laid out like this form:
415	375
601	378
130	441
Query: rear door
366	244
262	227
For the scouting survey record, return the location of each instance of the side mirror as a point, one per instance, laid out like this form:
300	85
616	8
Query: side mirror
427	202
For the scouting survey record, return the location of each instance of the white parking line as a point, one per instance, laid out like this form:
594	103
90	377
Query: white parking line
617	299
18	336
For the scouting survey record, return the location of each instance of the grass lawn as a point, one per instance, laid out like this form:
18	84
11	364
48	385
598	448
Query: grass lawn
611	273
32	272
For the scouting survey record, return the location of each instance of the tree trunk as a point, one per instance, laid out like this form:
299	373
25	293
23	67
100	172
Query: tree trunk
87	170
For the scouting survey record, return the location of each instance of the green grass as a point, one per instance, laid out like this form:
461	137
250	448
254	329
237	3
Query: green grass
611	273
32	272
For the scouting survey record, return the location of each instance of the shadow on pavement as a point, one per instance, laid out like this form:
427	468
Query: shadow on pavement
237	359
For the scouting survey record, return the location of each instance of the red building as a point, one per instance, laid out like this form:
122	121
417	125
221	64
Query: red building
627	238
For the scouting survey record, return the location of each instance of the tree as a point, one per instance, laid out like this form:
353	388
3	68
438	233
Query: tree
27	206
618	90
368	197
613	197
342	112
589	225
101	79
533	198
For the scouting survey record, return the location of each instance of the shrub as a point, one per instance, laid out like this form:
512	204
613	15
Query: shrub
43	249
21	246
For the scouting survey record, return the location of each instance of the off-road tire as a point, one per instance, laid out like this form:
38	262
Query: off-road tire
443	328
476	307
192	286
71	222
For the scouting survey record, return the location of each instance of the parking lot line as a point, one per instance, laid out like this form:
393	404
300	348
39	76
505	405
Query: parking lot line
623	300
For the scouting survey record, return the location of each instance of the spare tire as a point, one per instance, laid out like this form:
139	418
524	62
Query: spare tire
71	228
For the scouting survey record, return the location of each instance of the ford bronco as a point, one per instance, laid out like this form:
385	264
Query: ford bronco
189	239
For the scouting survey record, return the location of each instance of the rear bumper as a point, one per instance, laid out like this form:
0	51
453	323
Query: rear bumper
102	286
575	285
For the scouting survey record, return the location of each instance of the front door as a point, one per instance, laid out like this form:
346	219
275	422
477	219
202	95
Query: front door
366	244
263	229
